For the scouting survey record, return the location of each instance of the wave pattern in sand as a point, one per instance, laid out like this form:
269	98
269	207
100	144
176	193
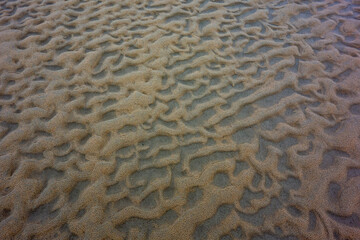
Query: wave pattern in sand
179	120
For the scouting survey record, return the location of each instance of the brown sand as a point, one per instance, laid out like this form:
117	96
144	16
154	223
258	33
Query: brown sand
169	120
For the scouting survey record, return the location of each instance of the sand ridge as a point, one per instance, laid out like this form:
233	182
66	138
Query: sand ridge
179	119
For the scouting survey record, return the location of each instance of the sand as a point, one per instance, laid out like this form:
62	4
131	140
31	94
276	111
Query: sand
180	119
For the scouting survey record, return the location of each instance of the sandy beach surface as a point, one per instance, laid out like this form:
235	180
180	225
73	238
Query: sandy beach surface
191	119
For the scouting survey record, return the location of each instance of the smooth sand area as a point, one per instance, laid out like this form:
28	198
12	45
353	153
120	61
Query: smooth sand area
179	120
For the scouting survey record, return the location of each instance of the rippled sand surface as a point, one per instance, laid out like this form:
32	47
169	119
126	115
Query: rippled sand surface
180	119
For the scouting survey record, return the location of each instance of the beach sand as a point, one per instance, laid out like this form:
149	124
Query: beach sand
180	119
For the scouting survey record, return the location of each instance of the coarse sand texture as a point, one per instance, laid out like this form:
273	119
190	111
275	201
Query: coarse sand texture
179	119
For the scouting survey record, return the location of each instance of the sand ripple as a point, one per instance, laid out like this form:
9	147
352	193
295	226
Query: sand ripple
179	119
